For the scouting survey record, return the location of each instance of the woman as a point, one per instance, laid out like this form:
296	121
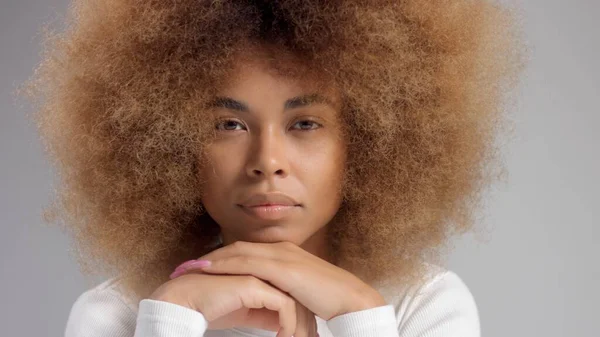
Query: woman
315	153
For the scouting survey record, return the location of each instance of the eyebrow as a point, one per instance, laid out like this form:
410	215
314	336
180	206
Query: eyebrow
292	103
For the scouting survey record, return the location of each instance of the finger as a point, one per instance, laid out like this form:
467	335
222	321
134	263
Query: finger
313	323
304	325
278	250
261	295
276	272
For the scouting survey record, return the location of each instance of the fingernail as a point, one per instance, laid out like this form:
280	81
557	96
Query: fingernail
177	272
199	264
185	264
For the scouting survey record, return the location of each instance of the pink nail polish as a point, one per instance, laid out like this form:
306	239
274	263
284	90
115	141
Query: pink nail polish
185	264
177	272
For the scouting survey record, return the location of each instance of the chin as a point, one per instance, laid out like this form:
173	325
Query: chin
274	234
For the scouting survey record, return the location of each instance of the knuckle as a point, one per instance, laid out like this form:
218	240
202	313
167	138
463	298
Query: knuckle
290	303
252	281
239	245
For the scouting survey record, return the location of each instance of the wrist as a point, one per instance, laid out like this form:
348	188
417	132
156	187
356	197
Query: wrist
365	300
163	294
371	301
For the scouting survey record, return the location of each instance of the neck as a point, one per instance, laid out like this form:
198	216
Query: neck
318	245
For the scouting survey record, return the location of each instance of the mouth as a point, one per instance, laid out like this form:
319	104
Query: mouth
270	211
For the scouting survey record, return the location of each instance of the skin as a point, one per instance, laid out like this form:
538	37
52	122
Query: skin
297	150
323	288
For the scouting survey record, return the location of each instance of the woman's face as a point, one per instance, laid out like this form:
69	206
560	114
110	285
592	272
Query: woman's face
278	143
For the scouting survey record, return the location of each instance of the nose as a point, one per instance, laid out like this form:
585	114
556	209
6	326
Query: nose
267	156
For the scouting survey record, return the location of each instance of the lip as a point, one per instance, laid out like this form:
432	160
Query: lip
270	199
270	206
271	212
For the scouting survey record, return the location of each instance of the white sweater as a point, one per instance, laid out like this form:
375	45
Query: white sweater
441	307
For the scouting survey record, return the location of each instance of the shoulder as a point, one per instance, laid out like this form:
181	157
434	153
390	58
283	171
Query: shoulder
101	311
442	305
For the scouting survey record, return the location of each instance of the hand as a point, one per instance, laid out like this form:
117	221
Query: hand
323	288
228	301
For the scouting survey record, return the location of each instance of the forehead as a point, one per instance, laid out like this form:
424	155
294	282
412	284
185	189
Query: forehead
251	63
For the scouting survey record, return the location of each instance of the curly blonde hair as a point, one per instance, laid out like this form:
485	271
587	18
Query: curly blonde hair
120	98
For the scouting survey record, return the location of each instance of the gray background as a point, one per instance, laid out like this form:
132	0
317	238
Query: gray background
537	273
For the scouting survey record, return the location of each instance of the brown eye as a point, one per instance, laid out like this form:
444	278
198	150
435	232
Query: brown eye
307	125
228	125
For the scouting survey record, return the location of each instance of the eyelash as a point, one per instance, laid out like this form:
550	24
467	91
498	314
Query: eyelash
233	120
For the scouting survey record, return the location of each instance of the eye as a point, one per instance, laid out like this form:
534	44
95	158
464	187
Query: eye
307	125
228	125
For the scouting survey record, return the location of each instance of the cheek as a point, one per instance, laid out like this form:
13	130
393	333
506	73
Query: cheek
223	162
322	172
219	172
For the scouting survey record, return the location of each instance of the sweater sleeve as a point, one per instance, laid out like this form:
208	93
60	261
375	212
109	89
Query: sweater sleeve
444	307
164	319
100	313
374	322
